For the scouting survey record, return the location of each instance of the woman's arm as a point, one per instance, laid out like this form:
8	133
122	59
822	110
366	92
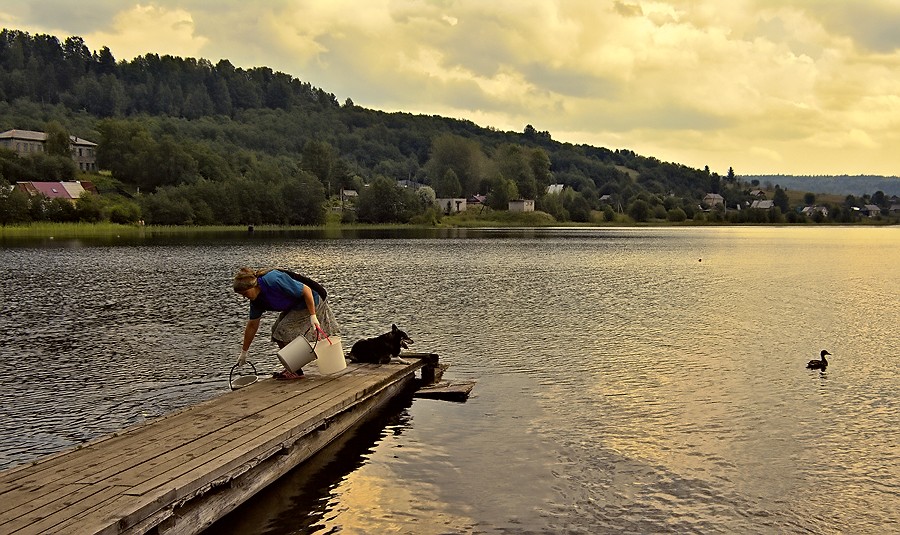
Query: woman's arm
250	333
309	300
311	307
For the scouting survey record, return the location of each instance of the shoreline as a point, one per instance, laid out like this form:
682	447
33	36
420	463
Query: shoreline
98	230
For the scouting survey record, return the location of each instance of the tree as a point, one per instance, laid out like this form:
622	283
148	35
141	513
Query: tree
121	148
462	155
104	61
52	167
167	164
381	202
513	164
304	198
780	199
448	185
13	205
676	215
577	206
502	191
112	100
426	196
539	161
57	143
319	158
809	198
639	210
553	205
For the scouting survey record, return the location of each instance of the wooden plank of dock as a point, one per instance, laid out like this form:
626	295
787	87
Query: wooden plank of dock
180	473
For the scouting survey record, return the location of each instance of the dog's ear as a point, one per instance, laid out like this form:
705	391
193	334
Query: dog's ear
394	327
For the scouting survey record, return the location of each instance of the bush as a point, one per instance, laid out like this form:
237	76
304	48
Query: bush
677	215
639	210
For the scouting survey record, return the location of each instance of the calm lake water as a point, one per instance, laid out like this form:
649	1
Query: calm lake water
629	380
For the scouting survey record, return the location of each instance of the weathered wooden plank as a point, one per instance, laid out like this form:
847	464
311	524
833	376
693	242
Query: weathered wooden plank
121	447
132	445
47	519
287	426
198	515
134	480
446	390
184	486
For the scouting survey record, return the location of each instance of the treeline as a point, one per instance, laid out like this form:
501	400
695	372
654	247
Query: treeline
193	142
840	185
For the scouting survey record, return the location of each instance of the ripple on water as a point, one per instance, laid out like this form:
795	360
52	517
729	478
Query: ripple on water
622	385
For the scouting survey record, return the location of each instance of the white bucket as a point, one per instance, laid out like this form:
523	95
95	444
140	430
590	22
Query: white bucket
296	354
330	355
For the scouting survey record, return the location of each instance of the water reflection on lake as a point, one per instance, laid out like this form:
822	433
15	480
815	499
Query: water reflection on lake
640	380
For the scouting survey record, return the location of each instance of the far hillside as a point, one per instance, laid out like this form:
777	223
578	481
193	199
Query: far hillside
840	185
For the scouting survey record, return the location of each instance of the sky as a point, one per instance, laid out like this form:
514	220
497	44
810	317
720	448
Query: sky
804	87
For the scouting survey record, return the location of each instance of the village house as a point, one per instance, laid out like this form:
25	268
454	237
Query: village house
713	199
763	204
811	211
25	142
70	191
521	205
451	205
871	210
555	188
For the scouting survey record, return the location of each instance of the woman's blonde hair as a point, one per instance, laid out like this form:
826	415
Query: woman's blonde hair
246	278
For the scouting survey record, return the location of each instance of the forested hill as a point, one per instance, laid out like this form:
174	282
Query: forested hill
195	137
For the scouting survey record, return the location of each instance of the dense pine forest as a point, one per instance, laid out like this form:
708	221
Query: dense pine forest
186	141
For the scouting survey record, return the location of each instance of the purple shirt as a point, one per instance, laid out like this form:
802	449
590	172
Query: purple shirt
278	291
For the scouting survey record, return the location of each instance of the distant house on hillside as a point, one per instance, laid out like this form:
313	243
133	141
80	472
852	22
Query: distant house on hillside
713	199
762	204
555	188
70	191
25	142
758	193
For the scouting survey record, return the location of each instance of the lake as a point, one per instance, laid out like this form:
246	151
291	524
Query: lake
628	379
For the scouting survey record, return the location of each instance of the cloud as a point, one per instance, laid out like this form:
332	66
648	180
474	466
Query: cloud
754	81
171	31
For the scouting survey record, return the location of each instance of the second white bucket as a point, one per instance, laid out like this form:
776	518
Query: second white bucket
330	355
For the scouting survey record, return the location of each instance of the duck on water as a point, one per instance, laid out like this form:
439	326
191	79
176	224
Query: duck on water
819	364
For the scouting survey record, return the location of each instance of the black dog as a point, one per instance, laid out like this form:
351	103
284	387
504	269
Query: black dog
381	349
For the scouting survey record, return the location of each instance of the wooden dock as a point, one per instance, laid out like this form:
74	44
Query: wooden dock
182	472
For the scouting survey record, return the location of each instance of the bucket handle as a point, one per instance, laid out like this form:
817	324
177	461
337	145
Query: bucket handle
231	375
320	335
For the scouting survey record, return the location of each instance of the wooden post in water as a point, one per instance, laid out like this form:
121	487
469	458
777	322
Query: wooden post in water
429	367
